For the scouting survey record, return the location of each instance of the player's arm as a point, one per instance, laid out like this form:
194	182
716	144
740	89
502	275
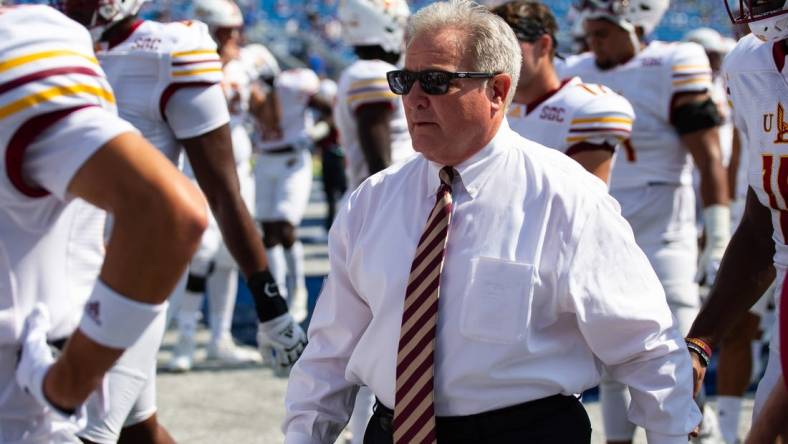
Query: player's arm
264	106
745	273
597	128
772	422
696	118
211	158
197	113
159	217
733	166
597	159
374	134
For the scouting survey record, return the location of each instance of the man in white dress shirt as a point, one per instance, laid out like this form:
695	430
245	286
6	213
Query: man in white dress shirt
528	307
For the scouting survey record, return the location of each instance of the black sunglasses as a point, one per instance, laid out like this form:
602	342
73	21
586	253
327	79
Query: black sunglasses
432	81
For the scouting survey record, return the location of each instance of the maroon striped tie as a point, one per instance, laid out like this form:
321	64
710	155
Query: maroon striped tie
414	413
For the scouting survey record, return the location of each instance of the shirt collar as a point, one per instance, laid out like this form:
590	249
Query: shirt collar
473	173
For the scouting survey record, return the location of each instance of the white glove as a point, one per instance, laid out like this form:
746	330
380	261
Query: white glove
717	226
35	360
283	340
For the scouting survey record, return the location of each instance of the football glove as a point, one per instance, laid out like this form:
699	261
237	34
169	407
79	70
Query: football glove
35	360
281	341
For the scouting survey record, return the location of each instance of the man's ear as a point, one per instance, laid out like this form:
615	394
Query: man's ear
500	85
544	45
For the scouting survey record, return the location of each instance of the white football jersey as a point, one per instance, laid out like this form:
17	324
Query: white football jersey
757	86
294	89
575	113
720	98
649	82
150	65
364	82
56	110
237	84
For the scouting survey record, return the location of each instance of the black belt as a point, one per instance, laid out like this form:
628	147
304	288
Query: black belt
281	150
485	423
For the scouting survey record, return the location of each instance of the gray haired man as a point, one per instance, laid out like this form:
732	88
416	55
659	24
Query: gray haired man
468	289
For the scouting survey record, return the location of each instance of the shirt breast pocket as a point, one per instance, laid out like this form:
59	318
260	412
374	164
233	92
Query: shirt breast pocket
497	300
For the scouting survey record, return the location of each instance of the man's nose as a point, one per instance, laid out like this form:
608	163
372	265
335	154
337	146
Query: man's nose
416	98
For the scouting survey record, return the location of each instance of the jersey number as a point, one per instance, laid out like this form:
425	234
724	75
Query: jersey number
782	187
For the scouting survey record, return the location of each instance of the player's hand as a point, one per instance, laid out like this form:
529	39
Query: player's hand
35	360
698	373
282	341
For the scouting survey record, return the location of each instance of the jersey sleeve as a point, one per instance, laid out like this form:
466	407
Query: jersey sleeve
193	57
56	106
728	68
369	87
57	153
690	70
606	118
194	62
192	112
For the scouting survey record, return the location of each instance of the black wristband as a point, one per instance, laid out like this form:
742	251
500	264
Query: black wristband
267	300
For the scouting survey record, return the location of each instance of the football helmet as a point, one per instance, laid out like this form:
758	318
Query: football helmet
628	14
767	19
98	15
374	22
259	60
218	13
708	38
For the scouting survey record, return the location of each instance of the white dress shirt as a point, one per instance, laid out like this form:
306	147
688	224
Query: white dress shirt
542	281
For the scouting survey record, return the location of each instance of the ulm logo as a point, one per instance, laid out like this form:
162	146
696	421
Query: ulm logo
782	125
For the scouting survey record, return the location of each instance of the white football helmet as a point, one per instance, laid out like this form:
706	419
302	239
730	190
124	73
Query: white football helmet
767	19
708	38
259	60
628	14
374	22
218	13
98	15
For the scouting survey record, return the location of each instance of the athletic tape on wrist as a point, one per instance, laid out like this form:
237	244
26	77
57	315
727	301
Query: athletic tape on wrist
114	320
717	225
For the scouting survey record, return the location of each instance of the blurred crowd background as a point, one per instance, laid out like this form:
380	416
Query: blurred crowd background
308	33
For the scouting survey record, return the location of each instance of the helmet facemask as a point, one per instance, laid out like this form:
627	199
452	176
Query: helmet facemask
97	15
766	18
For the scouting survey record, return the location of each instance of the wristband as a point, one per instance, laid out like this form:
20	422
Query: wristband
701	348
267	300
114	320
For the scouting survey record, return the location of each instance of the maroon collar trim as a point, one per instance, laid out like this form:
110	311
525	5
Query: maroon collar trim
120	38
534	104
778	52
